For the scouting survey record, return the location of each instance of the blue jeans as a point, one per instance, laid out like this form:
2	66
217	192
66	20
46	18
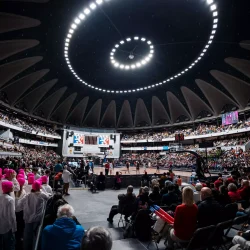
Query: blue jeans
30	234
7	241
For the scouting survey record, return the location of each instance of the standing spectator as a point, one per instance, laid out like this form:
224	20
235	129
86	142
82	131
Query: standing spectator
179	181
244	190
107	168
145	180
101	181
47	173
58	167
32	206
66	176
65	229
209	210
91	165
8	217
45	187
97	238
185	220
118	181
127	166
10	175
35	172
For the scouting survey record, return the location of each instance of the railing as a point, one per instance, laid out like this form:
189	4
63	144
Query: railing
40	228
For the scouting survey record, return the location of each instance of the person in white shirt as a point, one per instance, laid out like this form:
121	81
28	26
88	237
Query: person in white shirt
32	205
8	218
197	194
66	176
31	180
45	187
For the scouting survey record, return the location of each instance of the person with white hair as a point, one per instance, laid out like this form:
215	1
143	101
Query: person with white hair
97	238
65	229
197	193
66	176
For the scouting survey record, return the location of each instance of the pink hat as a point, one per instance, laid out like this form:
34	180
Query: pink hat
7	186
5	170
31	179
21	181
21	171
9	173
1	171
44	179
30	174
20	176
36	186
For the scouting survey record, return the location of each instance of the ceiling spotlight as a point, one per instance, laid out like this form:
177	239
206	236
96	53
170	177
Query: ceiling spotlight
69	35
112	53
151	46
147	59
117	45
67	40
111	57
150	55
211	37
186	70
131	56
71	31
151	51
143	39
99	2
204	50
133	66
199	58
127	67
77	20
216	20
121	66
143	62
81	16
73	26
66	48
148	42
192	64
116	64
213	7
121	42
215	26
210	41
113	61
160	83
113	50
128	39
213	31
210	1
87	11
92	6
66	44
136	38
207	46
138	65
215	13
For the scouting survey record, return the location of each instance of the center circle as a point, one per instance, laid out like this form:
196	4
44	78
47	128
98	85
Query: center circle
133	60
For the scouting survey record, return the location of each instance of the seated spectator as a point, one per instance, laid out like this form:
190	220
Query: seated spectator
65	229
178	191
223	197
97	238
125	206
45	187
171	197
197	193
32	205
218	183
209	210
142	201
244	190
215	193
163	178
232	192
185	220
240	243
101	181
8	218
155	196
232	179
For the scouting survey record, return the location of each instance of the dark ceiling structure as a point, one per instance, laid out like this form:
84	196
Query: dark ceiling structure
36	80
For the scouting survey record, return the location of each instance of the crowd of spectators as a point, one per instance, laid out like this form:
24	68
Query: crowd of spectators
27	126
232	142
200	130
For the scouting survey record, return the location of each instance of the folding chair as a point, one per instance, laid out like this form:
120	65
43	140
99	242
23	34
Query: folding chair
240	221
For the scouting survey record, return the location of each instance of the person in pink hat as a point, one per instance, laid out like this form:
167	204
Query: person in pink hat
28	187
45	187
8	218
11	176
32	205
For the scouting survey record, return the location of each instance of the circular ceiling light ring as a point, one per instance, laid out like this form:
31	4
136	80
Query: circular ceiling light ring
87	11
135	64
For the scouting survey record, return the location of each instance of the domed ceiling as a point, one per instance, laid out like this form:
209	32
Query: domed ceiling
124	64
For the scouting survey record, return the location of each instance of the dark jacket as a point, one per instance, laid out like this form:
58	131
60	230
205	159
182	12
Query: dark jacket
69	235
125	201
169	199
210	212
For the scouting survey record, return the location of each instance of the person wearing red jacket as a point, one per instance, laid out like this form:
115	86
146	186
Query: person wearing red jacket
218	183
185	220
244	190
232	192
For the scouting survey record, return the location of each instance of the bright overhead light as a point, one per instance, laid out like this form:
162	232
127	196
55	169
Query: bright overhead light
213	31
116	64
133	66
113	61
82	16
149	42
113	50
215	13
69	35
92	6
112	53
136	38
128	39
160	83
99	2
122	66
77	20
127	67
210	1
186	70
151	51
111	57
199	58
66	44
216	20
66	48
204	50
117	45
121	42
210	41
138	65
67	40
215	26
71	31
150	55
143	62
213	7
151	46
87	11
207	46
73	26
143	39
211	37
